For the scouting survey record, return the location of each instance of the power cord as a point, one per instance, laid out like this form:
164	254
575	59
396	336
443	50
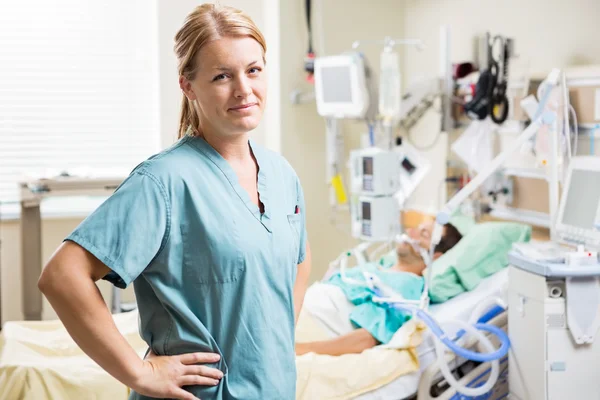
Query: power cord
309	60
428	146
498	98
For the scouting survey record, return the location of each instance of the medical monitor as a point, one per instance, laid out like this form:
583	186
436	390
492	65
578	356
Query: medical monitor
579	209
341	86
375	218
374	171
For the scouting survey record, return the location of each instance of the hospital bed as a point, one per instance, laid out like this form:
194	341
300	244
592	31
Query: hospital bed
426	382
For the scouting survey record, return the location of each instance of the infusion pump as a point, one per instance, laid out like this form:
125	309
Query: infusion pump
374	171
380	182
378	172
375	218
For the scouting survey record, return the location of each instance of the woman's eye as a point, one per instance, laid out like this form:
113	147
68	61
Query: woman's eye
219	77
254	70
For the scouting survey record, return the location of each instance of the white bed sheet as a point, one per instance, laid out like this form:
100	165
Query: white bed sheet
459	307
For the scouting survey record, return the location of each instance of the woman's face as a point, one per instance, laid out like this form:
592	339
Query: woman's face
230	86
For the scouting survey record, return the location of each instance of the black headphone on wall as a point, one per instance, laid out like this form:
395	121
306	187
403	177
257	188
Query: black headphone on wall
490	90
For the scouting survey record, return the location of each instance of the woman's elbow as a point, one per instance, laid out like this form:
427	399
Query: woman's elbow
56	271
48	278
73	264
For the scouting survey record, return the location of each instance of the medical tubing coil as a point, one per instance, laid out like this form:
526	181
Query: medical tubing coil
447	373
492	356
462	352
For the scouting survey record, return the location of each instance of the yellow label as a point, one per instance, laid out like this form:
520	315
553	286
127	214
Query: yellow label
338	187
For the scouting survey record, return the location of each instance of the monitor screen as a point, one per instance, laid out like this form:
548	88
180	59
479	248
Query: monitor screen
367	165
408	166
366	210
582	199
337	86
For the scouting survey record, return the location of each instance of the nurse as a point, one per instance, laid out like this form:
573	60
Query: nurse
211	232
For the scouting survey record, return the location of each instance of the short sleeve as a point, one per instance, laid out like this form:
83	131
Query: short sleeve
303	235
129	229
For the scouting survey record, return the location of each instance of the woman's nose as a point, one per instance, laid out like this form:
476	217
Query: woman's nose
243	88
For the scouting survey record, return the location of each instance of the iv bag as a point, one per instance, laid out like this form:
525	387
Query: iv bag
543	138
389	85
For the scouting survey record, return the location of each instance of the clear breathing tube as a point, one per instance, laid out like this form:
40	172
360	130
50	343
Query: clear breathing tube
386	295
569	136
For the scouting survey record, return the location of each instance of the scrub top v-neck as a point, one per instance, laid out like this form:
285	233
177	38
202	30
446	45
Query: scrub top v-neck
230	175
211	272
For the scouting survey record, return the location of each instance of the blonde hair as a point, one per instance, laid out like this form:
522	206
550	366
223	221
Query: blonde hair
206	23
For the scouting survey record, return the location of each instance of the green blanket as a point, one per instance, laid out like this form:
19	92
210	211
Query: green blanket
481	253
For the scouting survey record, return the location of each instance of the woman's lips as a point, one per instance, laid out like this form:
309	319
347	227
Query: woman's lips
243	107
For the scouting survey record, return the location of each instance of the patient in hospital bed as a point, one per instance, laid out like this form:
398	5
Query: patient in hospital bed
357	321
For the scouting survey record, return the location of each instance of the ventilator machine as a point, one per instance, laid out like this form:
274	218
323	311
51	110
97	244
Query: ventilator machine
554	298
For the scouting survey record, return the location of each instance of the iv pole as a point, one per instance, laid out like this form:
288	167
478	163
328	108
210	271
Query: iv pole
388	44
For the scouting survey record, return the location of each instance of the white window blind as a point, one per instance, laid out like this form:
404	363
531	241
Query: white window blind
78	86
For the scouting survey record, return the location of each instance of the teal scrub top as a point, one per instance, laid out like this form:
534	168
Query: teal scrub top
210	272
379	319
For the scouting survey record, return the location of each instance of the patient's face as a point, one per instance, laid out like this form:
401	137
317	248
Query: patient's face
421	235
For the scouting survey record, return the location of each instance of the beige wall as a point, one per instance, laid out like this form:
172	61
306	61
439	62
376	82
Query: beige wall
53	232
548	33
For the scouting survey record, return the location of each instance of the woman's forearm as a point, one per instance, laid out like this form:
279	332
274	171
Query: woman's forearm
299	291
354	342
302	282
81	308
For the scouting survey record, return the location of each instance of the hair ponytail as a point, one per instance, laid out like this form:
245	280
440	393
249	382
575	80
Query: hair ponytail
184	117
188	118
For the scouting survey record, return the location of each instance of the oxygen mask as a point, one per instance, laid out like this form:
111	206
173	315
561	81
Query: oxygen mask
415	244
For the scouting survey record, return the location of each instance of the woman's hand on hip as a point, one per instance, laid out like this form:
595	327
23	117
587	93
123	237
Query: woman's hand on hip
164	376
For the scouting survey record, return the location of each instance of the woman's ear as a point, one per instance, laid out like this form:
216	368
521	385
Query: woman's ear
186	87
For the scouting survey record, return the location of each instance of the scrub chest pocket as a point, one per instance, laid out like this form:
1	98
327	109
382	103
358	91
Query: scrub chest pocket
212	257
